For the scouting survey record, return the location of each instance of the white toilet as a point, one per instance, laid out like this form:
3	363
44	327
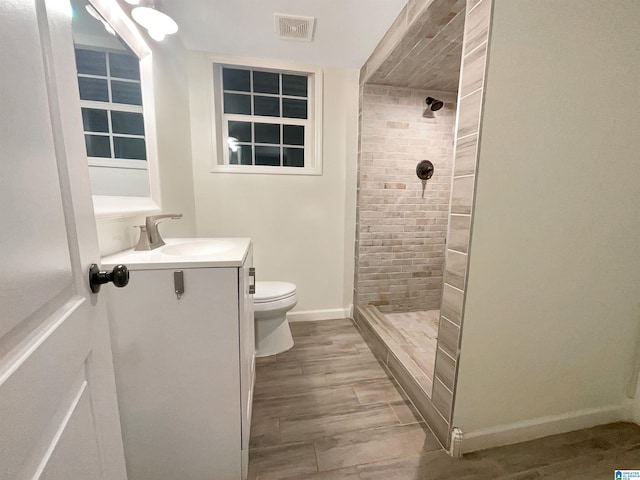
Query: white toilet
271	302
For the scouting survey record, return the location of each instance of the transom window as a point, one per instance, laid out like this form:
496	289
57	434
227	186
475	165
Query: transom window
111	101
267	122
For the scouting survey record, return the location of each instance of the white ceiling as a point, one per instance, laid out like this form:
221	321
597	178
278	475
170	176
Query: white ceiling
346	31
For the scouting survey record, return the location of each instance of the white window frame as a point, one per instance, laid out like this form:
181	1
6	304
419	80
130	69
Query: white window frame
313	123
109	107
107	206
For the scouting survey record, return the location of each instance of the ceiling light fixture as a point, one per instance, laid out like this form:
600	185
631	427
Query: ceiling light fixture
158	24
133	2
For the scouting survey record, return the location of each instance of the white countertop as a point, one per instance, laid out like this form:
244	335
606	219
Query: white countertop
233	256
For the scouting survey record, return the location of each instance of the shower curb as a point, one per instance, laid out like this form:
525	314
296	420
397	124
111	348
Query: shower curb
364	318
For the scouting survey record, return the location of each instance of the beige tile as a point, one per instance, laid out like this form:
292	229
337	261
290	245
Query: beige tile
448	337
282	386
265	371
318	352
378	444
406	412
466	150
265	432
442	398
365	360
462	197
300	329
349	376
452	299
285	461
598	464
459	228
349	473
315	402
445	369
469	114
408	364
374	342
386	330
473	70
265	360
471	4
431	465
420	398
415	8
558	449
456	269
377	391
309	427
476	28
391	453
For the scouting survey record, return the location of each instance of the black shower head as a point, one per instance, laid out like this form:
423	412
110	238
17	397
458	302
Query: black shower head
435	104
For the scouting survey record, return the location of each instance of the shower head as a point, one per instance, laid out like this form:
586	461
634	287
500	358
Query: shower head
434	104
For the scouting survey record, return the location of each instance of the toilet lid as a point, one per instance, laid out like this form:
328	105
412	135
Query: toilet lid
272	291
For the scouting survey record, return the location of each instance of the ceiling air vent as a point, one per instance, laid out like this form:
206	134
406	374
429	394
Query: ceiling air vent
294	27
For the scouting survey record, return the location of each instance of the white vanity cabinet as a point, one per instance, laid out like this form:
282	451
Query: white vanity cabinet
184	366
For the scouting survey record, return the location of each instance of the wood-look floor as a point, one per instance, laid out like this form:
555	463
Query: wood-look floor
327	410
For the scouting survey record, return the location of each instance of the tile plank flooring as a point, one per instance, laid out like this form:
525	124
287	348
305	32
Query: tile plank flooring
416	333
327	410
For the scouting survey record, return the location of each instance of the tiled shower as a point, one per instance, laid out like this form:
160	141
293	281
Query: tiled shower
411	252
401	234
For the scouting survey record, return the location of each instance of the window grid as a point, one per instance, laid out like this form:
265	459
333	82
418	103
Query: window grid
110	107
254	119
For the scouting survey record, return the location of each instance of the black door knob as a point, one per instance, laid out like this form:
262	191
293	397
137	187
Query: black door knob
119	276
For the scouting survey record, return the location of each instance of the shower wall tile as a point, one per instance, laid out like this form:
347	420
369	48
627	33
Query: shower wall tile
473	66
442	398
421	49
401	236
459	229
462	197
445	369
465	163
469	115
448	335
476	28
452	303
471	4
415	8
456	269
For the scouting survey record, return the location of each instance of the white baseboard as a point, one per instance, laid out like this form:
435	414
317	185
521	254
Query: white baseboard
543	427
315	315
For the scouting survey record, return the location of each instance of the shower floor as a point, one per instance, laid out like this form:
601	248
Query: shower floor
413	338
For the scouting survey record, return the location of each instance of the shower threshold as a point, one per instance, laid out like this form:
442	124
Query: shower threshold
412	344
410	367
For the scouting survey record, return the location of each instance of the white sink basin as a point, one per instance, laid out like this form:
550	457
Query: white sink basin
197	248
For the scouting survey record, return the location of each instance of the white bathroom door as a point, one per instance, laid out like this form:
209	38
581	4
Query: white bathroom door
58	407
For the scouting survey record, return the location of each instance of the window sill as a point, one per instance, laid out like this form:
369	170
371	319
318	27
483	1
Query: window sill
118	207
266	170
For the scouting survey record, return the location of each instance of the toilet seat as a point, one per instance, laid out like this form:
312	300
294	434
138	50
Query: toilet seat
267	292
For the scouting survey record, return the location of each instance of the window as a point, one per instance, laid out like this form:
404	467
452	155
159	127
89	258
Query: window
266	120
111	101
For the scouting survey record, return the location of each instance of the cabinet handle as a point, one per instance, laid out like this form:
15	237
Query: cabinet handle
252	280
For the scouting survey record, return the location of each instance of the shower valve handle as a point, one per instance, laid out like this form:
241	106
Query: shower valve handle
424	170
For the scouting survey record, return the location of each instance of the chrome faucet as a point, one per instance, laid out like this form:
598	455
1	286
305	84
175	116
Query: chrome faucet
150	238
